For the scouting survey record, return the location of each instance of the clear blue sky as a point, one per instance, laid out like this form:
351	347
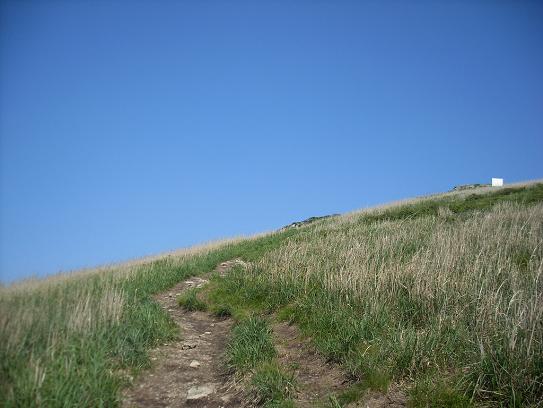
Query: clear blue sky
129	128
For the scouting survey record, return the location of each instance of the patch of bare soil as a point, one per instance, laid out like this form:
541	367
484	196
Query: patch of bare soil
317	379
393	398
188	372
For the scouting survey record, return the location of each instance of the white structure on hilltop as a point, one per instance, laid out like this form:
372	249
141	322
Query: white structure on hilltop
497	182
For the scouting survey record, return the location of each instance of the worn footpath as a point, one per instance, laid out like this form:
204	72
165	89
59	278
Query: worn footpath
187	372
190	372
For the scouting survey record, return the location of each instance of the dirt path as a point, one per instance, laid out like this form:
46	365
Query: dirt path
317	379
187	372
190	372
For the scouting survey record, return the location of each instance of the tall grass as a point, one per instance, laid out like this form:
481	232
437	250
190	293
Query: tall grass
448	289
251	353
250	345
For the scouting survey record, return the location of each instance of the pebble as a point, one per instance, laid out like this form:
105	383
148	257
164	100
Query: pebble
194	364
187	346
200	391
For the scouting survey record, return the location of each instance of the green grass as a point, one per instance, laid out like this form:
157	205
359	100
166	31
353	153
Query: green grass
472	202
428	326
222	311
354	393
250	345
69	342
272	387
437	393
251	353
190	302
58	349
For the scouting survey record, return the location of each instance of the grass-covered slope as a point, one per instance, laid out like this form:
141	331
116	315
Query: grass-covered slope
444	294
72	341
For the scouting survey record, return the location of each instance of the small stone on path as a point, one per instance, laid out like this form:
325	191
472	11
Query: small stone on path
194	364
188	346
200	391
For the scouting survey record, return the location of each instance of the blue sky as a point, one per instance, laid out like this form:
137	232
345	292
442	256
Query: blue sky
129	128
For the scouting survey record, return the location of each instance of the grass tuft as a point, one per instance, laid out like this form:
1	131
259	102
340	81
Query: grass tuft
250	345
190	301
432	393
222	311
272	387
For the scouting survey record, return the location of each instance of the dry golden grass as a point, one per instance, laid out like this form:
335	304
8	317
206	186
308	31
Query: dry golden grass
122	269
438	196
479	277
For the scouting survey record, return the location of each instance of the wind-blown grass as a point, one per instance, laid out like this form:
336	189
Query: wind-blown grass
447	291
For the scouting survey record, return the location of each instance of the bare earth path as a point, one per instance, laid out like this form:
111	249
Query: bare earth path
317	379
187	372
190	372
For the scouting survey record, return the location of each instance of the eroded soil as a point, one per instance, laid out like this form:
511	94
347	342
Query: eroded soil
317	378
172	381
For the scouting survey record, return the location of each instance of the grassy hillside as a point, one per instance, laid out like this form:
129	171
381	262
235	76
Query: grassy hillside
442	294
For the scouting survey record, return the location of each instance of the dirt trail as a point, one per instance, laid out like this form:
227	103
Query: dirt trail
187	372
190	372
317	379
